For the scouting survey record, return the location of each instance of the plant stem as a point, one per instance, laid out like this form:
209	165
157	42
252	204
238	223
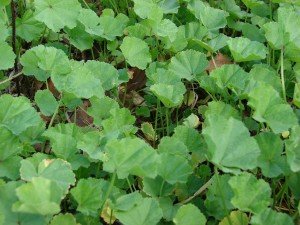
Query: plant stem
282	74
55	113
129	184
111	185
155	123
200	190
161	188
167	121
11	78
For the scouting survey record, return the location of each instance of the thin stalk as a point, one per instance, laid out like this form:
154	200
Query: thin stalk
155	123
161	188
282	74
110	218
111	185
85	3
129	184
55	113
167	121
11	78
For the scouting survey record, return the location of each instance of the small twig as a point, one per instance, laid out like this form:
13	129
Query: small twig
11	78
200	190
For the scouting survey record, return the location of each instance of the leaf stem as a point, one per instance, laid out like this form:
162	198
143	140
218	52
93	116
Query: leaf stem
55	113
200	190
11	78
282	74
167	121
129	184
113	179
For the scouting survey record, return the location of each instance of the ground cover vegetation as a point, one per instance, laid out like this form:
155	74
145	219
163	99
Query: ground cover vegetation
145	112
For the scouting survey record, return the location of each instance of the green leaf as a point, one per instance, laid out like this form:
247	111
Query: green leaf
170	95
190	137
7	56
269	217
80	38
130	156
138	211
235	218
40	196
4	2
148	9
28	28
220	135
9	145
174	168
270	160
219	195
258	196
275	35
46	102
17	114
136	52
55	170
243	49
189	214
231	77
10	167
211	18
100	109
89	196
65	219
293	149
80	81
112	26
173	146
63	139
8	198
41	62
270	108
218	107
57	14
106	73
157	187
188	64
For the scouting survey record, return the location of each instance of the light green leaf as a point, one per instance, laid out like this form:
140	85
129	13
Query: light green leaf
112	26
270	217
4	2
64	219
136	52
229	144
130	156
9	145
7	56
258	196
143	211
243	49
235	218
190	137
55	170
28	27
173	146
157	187
57	14
148	9
100	109
17	114
219	195
88	194
218	107
188	64
293	149
275	34
46	102
106	73
80	38
270	160
170	95
189	214
270	108
41	62
210	17
93	144
174	168
8	198
40	196
63	139
10	167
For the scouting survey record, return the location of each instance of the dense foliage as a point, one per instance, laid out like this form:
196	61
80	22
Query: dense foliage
145	112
